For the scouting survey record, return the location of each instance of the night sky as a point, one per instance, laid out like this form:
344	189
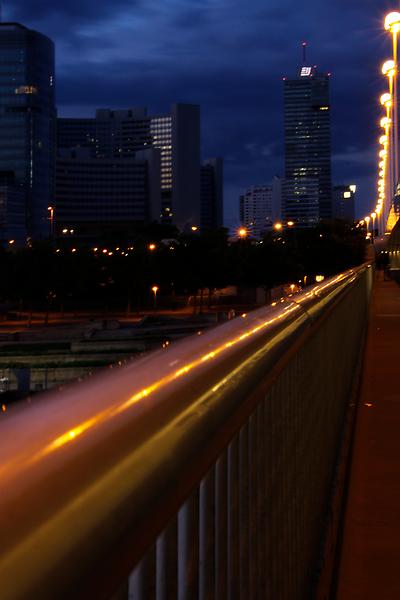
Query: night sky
229	56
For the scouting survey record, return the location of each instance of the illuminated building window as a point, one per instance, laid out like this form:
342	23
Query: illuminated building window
26	89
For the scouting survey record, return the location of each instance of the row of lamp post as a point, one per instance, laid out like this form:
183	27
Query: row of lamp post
388	163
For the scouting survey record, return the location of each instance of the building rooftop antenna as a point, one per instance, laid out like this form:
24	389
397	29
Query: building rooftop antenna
304	46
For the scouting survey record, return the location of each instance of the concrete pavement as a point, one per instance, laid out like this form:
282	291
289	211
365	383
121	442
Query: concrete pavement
370	559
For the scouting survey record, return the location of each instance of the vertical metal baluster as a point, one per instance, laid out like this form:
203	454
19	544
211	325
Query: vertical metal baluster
207	537
167	562
253	507
233	521
221	528
188	549
268	440
142	583
261	509
244	511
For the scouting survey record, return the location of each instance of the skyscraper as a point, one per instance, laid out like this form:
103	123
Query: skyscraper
212	194
121	133
27	119
96	196
307	188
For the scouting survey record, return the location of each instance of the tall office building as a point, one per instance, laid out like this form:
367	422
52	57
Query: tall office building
100	195
212	194
307	192
121	133
256	210
27	120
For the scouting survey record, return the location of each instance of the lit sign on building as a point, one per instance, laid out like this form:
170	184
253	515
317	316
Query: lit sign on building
305	72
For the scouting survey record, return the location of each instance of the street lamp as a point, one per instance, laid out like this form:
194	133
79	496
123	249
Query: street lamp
378	211
392	24
367	220
373	216
278	226
242	233
51	217
155	289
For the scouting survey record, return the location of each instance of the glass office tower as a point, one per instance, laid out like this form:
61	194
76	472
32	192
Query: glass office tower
27	120
307	195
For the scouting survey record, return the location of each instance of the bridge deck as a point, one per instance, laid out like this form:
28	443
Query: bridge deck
370	560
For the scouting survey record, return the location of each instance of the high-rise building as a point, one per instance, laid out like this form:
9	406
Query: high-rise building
212	194
96	195
256	210
121	133
307	193
277	185
12	216
343	202
27	119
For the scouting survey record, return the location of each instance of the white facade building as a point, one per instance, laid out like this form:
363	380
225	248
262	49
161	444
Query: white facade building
256	212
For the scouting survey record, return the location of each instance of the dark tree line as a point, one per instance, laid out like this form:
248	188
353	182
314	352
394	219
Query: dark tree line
53	276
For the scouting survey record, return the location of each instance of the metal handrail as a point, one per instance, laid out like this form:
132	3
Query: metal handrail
90	475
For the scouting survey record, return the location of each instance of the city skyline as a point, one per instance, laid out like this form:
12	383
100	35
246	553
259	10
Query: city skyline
219	61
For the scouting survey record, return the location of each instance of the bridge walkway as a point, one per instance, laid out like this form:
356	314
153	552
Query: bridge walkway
370	559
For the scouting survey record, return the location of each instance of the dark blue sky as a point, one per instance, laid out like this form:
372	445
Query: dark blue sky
229	56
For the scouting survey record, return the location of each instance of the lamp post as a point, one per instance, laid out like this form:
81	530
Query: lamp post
51	218
155	289
392	24
378	211
373	217
388	69
367	220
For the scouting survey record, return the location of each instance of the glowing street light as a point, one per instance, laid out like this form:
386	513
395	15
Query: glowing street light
278	226
373	217
383	140
51	218
155	289
242	233
367	220
152	247
392	24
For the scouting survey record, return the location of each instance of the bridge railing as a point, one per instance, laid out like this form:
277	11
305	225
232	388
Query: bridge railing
205	468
